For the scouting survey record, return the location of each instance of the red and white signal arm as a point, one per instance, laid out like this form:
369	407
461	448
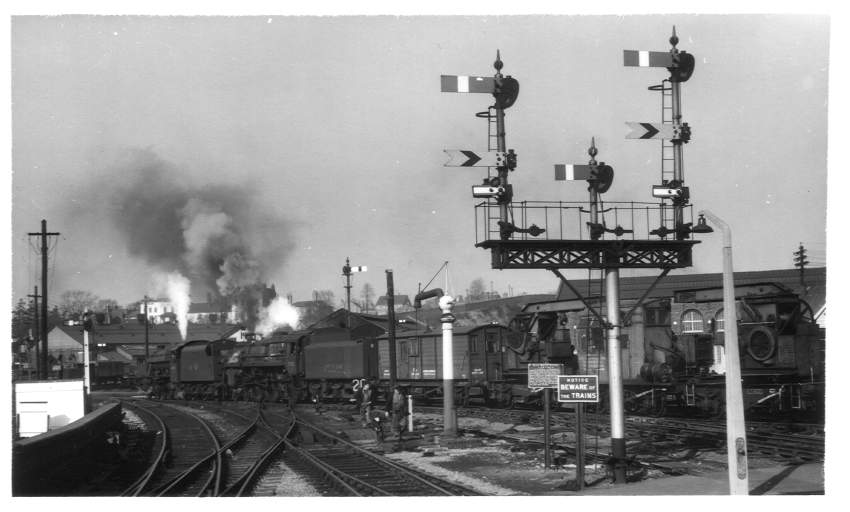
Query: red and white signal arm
361	268
666	192
463	83
578	388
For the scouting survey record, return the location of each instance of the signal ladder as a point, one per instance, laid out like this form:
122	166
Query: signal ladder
667	154
493	145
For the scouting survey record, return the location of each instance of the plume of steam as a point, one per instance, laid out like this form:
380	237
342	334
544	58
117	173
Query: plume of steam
176	287
279	313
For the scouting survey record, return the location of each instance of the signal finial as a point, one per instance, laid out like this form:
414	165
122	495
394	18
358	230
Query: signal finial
592	151
498	64
674	39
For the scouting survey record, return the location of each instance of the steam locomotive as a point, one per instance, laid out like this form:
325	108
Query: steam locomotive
672	357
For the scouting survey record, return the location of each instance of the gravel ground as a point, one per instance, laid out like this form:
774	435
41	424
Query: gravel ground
293	485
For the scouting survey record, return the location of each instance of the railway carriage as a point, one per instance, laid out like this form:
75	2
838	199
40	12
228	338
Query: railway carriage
480	354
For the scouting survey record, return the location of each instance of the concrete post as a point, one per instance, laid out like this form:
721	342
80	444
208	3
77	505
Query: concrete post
449	414
736	433
615	374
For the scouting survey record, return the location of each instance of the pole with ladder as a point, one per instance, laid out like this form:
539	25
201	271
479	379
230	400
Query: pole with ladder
672	132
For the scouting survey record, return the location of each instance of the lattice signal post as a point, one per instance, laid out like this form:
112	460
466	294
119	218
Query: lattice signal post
630	244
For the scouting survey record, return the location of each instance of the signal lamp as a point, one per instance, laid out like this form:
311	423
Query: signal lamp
702	226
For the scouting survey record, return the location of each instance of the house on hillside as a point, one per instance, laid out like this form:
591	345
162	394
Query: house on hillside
401	304
210	313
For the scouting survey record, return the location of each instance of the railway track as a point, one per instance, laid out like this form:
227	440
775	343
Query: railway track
785	442
228	460
338	467
188	462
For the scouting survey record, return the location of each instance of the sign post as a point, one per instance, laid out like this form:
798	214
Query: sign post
579	389
545	375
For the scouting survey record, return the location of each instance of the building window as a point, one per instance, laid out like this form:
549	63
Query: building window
657	317
718	321
692	321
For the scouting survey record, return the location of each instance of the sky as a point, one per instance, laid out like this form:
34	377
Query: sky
321	138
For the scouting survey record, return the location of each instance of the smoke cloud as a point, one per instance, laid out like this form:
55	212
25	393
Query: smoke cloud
217	236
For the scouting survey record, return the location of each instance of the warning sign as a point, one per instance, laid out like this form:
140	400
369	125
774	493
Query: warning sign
578	388
544	375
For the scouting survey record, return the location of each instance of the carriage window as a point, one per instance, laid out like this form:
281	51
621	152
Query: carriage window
403	351
492	346
473	344
692	321
414	348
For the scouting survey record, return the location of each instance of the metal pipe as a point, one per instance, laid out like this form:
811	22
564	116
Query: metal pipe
615	375
736	437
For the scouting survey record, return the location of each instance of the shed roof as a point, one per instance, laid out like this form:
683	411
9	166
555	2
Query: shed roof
162	334
634	287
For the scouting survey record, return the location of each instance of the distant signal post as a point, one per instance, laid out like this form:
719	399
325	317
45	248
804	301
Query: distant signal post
347	270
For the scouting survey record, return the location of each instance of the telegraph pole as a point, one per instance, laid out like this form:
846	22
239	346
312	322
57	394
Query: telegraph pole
42	367
801	262
391	326
147	340
35	321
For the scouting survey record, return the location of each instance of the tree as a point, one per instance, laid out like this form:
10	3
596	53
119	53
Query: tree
22	319
326	296
368	294
73	303
477	290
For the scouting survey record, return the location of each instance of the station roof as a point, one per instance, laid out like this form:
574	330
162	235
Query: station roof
161	334
456	331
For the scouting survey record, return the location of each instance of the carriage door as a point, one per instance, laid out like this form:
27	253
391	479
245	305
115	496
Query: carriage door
493	354
370	358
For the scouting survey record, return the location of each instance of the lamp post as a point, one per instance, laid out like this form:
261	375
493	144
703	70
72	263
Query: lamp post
736	437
